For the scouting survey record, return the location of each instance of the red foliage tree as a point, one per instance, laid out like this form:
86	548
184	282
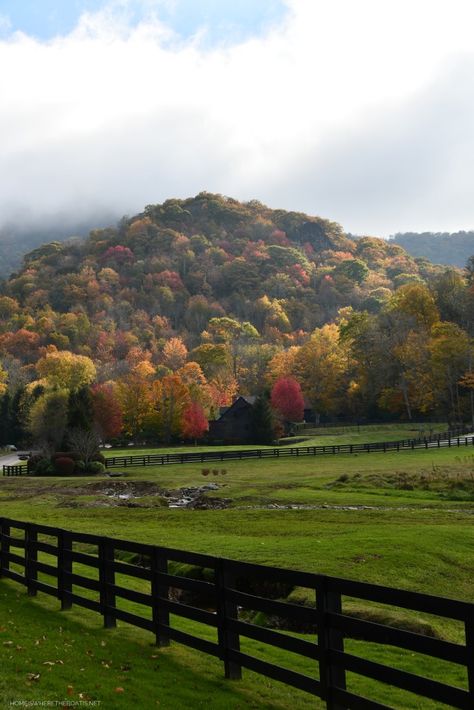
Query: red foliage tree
287	399
118	254
108	415
195	422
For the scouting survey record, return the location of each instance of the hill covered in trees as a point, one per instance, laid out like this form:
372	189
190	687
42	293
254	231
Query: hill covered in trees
440	247
167	316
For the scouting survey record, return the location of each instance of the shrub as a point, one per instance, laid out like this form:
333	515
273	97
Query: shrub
33	461
64	466
43	467
95	467
80	467
66	455
99	457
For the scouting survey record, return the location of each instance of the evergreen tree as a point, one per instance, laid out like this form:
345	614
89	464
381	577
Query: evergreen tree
262	421
80	410
5	436
17	417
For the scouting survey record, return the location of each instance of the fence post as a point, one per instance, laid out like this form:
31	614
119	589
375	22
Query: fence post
469	631
159	592
31	556
331	675
5	547
64	569
107	580
228	640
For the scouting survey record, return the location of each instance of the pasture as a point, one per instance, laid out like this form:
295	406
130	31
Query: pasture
399	519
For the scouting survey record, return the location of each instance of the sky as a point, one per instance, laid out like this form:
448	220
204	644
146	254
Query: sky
360	112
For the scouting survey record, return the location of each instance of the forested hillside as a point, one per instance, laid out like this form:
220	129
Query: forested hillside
440	248
162	320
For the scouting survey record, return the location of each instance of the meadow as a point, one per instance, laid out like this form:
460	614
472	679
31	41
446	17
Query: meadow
399	519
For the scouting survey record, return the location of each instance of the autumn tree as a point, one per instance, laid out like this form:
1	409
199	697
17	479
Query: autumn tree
287	399
175	353
321	367
195	422
135	397
170	398
65	370
107	410
48	419
450	354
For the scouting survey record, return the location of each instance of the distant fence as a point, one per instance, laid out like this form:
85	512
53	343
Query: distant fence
447	439
226	596
450	438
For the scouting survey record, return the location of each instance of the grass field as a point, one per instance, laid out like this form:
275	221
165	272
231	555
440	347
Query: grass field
400	519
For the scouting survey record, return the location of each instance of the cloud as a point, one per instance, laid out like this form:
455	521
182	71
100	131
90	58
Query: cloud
360	112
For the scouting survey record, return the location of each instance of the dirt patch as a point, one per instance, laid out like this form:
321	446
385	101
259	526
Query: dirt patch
112	492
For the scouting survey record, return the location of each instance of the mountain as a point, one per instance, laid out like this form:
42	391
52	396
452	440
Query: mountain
440	247
189	260
215	293
16	240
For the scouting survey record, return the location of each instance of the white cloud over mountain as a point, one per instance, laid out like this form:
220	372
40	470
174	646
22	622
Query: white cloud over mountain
360	112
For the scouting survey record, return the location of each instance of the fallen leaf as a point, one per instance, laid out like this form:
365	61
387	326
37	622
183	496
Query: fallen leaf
70	689
119	690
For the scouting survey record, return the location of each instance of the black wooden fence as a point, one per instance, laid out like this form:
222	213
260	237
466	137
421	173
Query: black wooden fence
229	590
456	437
436	441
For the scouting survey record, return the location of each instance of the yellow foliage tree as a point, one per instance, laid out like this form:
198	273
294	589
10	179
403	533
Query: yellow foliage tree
65	370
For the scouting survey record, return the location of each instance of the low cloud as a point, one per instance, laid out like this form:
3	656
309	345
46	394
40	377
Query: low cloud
363	115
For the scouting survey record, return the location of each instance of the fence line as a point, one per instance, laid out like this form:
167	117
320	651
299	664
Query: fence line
450	438
227	590
447	439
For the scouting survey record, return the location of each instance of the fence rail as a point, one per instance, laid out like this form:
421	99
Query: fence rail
455	438
89	571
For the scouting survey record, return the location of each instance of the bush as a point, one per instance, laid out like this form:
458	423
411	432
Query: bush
42	467
33	461
95	467
66	455
64	466
99	457
80	467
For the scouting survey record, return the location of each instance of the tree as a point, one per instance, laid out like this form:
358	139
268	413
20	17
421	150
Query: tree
107	410
175	353
135	396
321	366
195	422
170	398
281	365
65	370
416	302
263	424
84	442
450	355
287	399
48	418
80	410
